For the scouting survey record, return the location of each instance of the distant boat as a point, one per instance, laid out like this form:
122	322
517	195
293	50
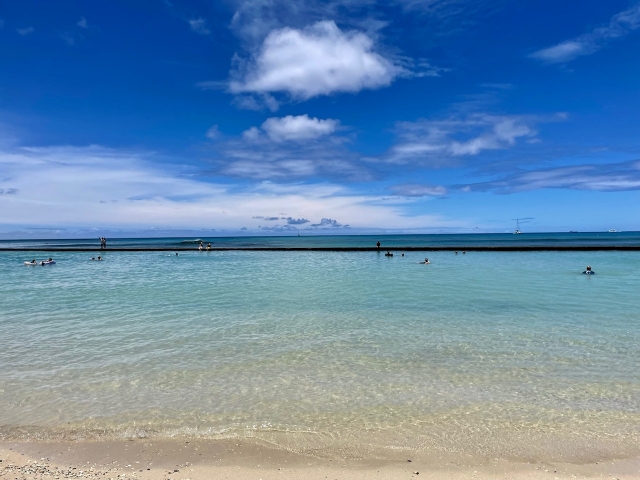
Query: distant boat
517	232
573	231
613	230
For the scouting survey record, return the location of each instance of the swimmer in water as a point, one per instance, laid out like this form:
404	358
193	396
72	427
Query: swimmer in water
208	246
388	254
588	271
93	258
426	262
100	259
403	254
176	254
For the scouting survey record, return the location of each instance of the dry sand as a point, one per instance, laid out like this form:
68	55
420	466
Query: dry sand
239	459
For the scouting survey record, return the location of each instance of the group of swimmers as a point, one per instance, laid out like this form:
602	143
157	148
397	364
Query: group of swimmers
43	262
99	259
588	270
201	247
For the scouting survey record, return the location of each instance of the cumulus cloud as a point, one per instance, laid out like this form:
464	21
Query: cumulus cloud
317	60
417	190
436	141
297	221
290	220
289	147
619	25
25	31
199	25
329	223
607	178
64	186
299	127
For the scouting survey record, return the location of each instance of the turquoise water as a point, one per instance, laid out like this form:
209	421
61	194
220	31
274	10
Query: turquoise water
433	240
501	354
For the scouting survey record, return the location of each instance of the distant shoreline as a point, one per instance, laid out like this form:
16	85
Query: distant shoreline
476	248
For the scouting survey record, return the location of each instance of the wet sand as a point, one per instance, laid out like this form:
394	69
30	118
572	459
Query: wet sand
239	459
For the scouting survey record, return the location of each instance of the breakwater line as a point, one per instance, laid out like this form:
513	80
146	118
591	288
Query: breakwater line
470	248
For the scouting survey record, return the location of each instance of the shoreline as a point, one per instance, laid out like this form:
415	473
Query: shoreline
496	248
183	458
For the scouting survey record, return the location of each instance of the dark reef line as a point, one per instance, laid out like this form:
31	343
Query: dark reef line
496	248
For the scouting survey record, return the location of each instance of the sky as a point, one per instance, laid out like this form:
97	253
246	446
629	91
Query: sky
325	117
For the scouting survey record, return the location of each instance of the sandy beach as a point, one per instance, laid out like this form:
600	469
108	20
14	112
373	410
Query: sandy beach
233	459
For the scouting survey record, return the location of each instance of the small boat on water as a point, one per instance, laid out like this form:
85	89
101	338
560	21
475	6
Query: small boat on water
517	232
613	230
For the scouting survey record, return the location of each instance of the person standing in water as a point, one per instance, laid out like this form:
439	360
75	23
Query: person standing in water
378	245
201	246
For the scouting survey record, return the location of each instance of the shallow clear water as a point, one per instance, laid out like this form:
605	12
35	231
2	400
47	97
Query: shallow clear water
512	354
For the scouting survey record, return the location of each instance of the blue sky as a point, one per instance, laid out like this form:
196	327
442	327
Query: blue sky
341	116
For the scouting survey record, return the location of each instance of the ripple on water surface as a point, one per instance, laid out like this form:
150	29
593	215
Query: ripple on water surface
512	354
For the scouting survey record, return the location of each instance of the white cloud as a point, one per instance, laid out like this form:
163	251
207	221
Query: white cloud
417	190
213	133
299	127
98	187
619	25
289	147
255	19
317	60
83	23
606	177
25	31
199	25
439	140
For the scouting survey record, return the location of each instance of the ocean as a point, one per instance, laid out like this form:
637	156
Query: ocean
499	354
331	241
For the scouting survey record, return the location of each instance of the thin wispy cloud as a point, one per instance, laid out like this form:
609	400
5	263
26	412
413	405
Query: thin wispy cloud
199	25
83	23
253	20
435	142
95	186
69	38
25	31
213	133
313	61
620	25
605	178
419	190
